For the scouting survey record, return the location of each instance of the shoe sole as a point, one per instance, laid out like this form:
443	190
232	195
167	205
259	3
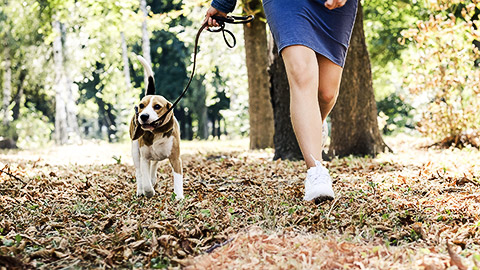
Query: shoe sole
321	199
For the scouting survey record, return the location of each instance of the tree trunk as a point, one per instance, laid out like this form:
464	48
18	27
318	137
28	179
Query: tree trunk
189	121
70	94
202	112
7	88
145	38
203	123
19	97
354	119
126	67
286	145
256	49
61	126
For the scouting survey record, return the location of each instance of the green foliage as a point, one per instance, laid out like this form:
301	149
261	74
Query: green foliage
384	20
443	75
395	113
160	263
33	128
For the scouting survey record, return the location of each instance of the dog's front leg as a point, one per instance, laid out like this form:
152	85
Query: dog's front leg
138	171
153	172
146	182
176	163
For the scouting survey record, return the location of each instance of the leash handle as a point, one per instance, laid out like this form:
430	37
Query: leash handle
234	19
231	20
223	30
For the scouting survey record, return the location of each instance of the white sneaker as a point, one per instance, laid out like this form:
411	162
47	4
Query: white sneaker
318	184
324	133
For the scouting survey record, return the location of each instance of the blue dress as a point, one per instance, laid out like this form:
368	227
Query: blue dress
308	23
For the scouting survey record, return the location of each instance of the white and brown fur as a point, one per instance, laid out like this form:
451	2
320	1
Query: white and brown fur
151	145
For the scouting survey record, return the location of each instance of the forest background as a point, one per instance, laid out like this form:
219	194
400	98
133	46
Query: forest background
69	71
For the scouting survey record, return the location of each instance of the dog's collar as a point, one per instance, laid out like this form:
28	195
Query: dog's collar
156	123
165	128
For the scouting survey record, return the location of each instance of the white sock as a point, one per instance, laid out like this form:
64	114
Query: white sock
178	185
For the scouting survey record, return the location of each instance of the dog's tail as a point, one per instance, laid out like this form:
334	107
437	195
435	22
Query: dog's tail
149	74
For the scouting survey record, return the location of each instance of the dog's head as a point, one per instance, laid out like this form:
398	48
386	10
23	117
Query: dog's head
150	109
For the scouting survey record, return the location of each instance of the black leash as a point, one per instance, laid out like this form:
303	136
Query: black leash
221	21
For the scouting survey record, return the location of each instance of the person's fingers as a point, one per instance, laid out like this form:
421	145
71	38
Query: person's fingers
330	4
211	12
341	3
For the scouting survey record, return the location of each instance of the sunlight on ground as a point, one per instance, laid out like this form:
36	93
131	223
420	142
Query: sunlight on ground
100	152
407	149
412	151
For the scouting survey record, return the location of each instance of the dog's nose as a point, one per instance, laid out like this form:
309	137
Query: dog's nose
144	117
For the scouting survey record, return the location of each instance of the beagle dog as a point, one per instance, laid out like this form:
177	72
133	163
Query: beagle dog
154	139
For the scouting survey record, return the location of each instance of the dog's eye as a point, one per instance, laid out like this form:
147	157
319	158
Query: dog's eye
141	106
157	107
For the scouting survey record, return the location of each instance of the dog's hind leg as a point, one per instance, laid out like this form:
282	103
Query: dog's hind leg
136	163
153	172
177	176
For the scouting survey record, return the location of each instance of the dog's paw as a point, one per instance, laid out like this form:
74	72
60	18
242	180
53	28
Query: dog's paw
140	191
149	193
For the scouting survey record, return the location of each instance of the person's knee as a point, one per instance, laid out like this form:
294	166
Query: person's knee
301	74
327	96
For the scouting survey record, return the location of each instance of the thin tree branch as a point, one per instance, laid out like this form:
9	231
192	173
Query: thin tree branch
13	176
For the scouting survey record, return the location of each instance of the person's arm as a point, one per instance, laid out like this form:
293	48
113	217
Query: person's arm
225	6
220	8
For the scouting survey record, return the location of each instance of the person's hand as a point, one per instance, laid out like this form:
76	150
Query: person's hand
331	4
208	17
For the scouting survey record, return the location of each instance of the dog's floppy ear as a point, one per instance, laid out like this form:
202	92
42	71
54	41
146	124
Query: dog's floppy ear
135	130
169	105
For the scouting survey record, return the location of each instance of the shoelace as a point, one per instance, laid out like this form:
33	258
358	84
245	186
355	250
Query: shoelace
319	174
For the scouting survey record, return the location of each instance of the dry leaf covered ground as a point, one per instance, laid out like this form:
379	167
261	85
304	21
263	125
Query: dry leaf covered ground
75	207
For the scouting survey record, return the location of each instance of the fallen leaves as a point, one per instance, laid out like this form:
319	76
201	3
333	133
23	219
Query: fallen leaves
395	211
455	259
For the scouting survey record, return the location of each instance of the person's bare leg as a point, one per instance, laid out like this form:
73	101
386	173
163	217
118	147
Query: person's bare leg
302	72
330	75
